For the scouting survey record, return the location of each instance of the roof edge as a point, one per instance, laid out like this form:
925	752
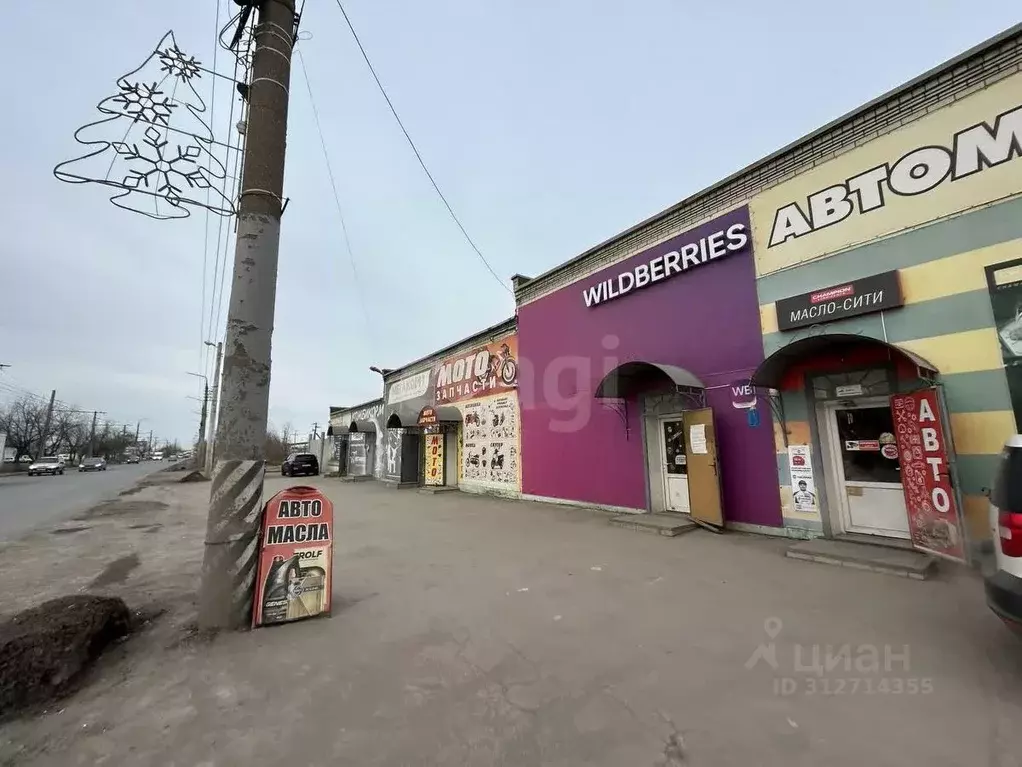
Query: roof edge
509	324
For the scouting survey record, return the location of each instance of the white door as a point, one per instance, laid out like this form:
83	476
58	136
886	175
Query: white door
868	473
674	464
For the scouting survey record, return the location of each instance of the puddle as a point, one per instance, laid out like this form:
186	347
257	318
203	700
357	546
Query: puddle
116	572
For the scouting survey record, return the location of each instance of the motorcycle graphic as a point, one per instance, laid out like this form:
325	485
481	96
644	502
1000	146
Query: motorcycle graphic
502	366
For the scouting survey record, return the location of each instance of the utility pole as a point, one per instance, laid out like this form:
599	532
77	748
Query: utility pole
46	426
137	427
233	525
201	457
315	430
211	440
92	434
151	451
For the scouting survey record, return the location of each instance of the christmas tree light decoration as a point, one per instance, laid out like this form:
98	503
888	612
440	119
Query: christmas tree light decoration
162	159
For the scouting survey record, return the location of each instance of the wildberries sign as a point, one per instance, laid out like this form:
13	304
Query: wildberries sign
933	517
295	555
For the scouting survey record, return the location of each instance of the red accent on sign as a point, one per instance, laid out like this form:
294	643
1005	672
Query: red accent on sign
798	461
831	294
933	517
294	579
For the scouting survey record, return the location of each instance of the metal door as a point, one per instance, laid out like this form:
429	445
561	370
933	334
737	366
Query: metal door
674	464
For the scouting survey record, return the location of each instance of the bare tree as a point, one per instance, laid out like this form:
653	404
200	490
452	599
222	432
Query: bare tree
22	421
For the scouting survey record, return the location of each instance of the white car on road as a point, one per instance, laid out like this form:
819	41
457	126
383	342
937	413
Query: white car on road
49	464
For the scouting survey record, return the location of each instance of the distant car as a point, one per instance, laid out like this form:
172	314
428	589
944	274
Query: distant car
132	459
49	464
157	456
300	463
92	464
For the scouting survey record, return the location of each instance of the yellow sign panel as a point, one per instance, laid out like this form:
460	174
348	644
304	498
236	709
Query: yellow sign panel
960	157
434	460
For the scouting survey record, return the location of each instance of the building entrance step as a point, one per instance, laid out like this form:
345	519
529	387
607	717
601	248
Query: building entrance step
660	524
865	556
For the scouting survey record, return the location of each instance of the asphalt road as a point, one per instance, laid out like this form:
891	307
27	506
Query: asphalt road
27	502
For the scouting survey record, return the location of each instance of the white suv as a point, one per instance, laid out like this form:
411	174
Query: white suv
1004	584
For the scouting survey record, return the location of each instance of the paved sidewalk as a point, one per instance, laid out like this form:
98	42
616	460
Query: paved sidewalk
475	631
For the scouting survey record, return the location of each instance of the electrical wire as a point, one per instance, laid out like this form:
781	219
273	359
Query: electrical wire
203	349
337	197
418	156
222	244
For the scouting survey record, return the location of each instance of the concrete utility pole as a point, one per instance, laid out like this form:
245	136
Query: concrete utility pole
46	426
211	440
92	434
137	427
151	451
233	525
201	457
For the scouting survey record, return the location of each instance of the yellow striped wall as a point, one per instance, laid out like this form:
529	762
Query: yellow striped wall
975	434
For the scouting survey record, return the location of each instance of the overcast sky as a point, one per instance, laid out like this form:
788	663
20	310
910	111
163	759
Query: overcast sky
550	126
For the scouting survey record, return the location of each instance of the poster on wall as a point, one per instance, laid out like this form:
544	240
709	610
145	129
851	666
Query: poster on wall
481	372
293	581
357	462
803	485
1004	283
392	465
933	518
490	442
434	468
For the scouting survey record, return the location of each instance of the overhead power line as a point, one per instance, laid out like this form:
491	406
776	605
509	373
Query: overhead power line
418	155
333	186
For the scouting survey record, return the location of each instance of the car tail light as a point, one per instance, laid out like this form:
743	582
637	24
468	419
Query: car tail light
1009	526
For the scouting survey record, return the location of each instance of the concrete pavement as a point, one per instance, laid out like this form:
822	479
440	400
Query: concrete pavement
27	502
476	631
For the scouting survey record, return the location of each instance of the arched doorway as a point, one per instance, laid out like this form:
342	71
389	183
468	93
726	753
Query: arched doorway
873	459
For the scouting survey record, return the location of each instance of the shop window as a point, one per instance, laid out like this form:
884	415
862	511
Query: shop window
866	440
849	385
674	448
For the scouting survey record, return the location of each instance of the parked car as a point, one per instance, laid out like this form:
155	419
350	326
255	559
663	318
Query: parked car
92	464
300	463
1004	583
132	459
49	464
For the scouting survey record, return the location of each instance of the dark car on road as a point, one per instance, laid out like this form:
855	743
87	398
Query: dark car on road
300	463
92	464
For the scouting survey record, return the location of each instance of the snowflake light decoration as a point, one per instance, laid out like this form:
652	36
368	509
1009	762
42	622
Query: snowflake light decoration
145	103
165	161
176	64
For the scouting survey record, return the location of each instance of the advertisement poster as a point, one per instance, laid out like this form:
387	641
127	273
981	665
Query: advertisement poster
1004	283
490	439
933	518
294	558
486	370
803	485
357	463
434	468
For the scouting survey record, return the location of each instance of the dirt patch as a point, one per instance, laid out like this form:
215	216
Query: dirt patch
66	530
116	572
194	476
118	508
147	527
132	490
45	650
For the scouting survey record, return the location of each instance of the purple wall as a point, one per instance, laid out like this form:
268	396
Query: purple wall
705	319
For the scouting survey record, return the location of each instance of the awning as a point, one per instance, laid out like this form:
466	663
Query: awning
772	370
627	380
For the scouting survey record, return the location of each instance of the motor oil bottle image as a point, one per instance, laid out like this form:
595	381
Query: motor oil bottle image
276	597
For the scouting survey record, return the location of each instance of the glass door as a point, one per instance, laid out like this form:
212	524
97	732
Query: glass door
869	479
674	464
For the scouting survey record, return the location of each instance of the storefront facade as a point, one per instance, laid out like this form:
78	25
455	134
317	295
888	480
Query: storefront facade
635	380
889	278
358	436
451	419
